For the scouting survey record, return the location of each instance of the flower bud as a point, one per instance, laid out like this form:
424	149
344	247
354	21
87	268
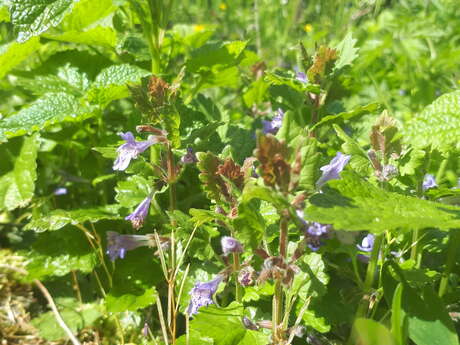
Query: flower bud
231	245
247	276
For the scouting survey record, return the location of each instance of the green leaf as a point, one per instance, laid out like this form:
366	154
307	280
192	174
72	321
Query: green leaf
309	172
358	111
224	55
202	133
277	79
12	54
437	125
58	253
17	186
347	51
312	279
133	281
4	14
50	109
110	84
428	320
225	327
249	225
255	93
370	332
253	191
98	35
352	204
359	160
132	191
398	321
86	13
76	316
57	219
32	17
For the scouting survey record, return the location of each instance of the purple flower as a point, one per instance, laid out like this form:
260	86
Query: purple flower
231	245
139	214
367	243
118	245
332	170
429	182
314	231
60	191
201	294
189	157
275	124
131	149
302	77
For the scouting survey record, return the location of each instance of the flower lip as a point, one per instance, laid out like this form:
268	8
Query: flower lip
367	243
429	182
332	170
131	149
201	294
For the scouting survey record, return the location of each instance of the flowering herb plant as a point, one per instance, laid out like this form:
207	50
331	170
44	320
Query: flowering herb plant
170	183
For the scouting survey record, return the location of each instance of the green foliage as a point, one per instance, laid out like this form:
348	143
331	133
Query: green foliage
12	54
31	18
437	125
353	204
347	51
370	332
17	185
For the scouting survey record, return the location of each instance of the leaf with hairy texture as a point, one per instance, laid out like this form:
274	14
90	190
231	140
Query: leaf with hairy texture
50	109
57	219
437	125
12	54
353	204
225	327
32	17
17	186
132	191
110	84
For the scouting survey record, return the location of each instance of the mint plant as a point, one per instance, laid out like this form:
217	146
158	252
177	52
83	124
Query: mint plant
229	173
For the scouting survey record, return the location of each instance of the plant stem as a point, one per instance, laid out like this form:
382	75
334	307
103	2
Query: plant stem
370	274
236	269
453	246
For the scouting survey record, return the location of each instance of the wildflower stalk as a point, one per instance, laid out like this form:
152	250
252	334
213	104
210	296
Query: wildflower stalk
236	269
452	249
370	274
278	296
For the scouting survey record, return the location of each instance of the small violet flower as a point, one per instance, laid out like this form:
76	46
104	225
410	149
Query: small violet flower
332	170
302	77
367	243
231	245
118	245
201	294
275	124
189	157
60	191
429	182
139	214
131	149
314	231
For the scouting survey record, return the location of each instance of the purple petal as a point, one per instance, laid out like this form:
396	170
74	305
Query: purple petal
429	182
332	170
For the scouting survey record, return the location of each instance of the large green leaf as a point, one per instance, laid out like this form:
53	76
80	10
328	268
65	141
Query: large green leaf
32	17
222	55
352	203
225	327
99	35
50	109
110	84
133	281
437	125
14	53
58	253
312	279
57	219
347	51
132	191
17	186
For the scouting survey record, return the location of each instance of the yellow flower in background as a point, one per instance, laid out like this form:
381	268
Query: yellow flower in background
198	27
223	6
308	27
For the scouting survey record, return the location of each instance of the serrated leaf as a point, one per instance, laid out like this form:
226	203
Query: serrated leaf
12	54
58	253
225	327
133	281
132	191
57	219
358	111
17	186
347	51
110	83
310	162
312	279
353	204
249	225
437	125
75	315
32	17
359	160
50	109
